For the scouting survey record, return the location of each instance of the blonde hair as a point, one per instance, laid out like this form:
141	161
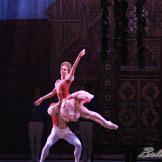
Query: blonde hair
67	64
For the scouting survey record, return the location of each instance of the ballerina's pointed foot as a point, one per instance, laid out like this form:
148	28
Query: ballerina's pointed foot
110	125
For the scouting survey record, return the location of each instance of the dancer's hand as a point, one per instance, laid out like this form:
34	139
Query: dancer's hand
72	71
39	101
82	53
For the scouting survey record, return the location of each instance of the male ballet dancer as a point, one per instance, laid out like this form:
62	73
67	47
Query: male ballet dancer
60	130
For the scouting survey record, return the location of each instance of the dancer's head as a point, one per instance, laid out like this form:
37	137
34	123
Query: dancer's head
65	69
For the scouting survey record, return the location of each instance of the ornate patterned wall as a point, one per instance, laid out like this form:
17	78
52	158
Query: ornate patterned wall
129	96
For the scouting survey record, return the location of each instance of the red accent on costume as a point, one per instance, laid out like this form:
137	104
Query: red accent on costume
54	116
55	119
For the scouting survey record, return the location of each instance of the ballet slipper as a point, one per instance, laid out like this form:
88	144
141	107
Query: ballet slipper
109	125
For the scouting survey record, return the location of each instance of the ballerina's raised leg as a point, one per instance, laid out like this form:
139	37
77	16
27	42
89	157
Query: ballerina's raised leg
85	113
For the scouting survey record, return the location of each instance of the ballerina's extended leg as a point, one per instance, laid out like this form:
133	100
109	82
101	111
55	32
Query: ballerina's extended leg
85	113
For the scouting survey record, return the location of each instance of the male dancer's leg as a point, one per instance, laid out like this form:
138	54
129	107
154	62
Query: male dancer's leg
53	138
71	138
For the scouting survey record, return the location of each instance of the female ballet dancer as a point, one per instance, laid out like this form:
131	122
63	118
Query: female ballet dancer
71	106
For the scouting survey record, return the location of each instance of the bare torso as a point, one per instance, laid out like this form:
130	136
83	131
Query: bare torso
58	121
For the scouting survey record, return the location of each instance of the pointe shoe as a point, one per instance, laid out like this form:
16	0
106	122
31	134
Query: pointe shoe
110	125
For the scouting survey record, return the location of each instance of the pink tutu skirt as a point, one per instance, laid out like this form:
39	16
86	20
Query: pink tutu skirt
71	105
53	109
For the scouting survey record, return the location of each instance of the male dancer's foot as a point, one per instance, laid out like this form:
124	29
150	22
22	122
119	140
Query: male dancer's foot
110	125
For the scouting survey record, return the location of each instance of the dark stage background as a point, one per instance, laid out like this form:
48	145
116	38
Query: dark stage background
31	51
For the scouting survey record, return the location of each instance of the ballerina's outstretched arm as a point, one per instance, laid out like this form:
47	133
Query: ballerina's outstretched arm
49	95
72	71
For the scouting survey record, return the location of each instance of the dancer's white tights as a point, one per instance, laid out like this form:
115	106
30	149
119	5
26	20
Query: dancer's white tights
66	134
